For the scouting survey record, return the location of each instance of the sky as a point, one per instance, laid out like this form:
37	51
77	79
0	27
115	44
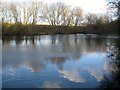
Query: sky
92	6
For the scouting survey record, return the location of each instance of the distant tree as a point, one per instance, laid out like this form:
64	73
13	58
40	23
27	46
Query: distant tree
37	8
61	11
77	13
62	14
105	19
55	13
66	16
48	14
97	19
26	10
5	13
14	11
91	18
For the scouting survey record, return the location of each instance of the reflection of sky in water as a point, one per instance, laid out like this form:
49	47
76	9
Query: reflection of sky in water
56	62
91	63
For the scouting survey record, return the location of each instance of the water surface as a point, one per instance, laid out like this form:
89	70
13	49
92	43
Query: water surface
61	61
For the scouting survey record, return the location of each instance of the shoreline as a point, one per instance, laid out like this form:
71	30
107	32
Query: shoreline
61	34
30	30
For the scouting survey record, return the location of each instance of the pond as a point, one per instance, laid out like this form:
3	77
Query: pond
61	61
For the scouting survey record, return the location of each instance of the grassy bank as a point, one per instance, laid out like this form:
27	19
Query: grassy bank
30	29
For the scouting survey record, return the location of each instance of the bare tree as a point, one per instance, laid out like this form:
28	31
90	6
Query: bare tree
114	7
77	16
37	8
60	9
97	19
66	16
56	13
14	11
91	18
5	13
102	19
48	14
26	10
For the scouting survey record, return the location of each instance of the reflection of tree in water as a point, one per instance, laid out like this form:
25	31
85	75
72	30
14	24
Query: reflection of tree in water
18	40
68	43
53	39
74	45
6	39
96	44
114	62
36	65
59	61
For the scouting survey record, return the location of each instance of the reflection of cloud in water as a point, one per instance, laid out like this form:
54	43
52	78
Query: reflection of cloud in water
94	65
72	76
49	84
35	65
96	73
11	72
89	63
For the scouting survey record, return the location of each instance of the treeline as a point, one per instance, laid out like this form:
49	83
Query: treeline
29	17
52	14
32	29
